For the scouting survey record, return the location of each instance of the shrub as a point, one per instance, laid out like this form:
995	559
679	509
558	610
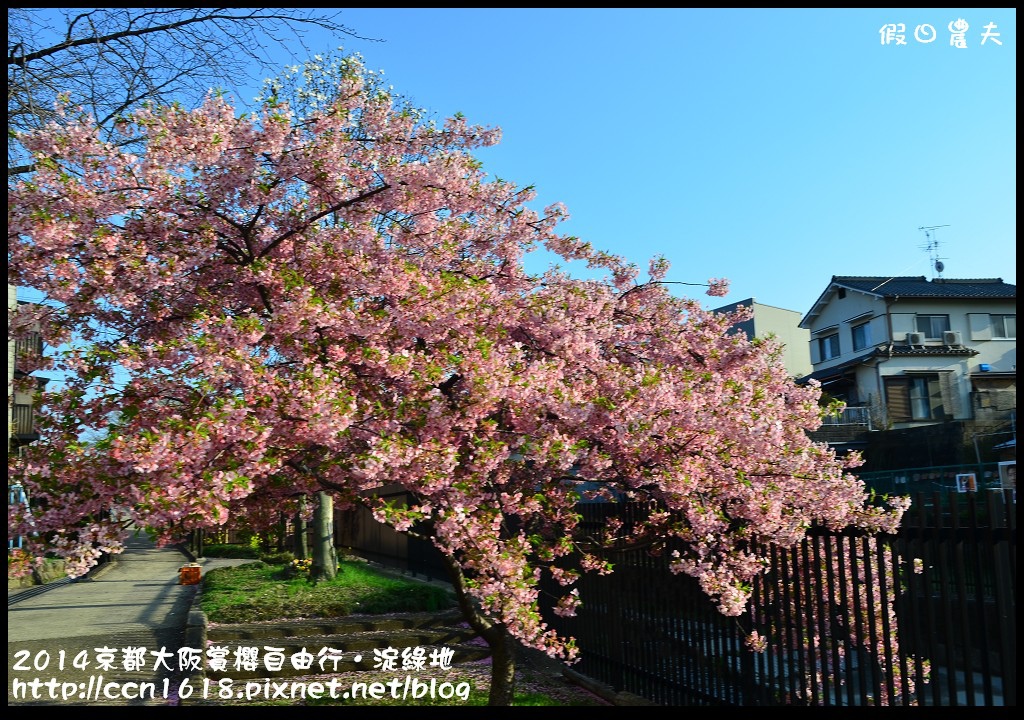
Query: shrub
230	551
19	563
277	558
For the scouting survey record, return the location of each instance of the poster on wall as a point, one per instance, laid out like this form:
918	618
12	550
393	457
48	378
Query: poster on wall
966	482
1008	477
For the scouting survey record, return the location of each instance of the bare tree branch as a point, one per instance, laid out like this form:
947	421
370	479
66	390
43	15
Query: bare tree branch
70	42
110	60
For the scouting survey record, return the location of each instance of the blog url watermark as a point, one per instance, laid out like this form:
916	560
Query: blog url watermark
98	689
218	658
221	658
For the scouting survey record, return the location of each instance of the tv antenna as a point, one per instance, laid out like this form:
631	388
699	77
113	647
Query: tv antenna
931	246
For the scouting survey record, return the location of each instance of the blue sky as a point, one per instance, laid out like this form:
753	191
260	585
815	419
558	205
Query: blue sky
772	147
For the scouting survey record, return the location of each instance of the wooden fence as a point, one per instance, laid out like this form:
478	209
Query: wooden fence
356	529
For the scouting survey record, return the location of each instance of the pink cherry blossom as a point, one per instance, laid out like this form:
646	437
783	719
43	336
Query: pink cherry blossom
718	287
255	308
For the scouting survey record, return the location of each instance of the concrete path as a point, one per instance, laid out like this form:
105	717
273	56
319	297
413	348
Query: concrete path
134	601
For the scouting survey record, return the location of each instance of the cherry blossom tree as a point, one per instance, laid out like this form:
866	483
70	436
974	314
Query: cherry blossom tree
256	308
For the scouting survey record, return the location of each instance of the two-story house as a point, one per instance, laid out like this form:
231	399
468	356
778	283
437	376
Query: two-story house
908	351
21	427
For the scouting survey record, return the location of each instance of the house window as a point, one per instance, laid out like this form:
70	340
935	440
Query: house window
828	346
915	397
933	325
920	398
1004	326
985	326
861	336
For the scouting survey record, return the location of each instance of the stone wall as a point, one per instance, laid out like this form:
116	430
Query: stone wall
52	569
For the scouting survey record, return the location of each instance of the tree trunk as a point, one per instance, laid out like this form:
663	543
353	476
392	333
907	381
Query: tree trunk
301	540
499	640
282	531
195	542
325	560
503	665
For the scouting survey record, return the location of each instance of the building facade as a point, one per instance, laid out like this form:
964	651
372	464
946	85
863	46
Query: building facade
908	351
784	325
20	416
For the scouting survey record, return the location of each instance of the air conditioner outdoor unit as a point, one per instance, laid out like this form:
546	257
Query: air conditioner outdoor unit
915	338
951	337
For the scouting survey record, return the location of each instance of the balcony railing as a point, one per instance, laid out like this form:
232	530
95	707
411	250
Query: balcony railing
30	346
850	416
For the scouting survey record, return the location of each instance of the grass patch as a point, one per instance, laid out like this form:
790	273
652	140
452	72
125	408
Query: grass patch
262	591
259	591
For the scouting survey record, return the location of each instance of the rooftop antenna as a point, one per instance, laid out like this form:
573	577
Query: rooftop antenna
931	246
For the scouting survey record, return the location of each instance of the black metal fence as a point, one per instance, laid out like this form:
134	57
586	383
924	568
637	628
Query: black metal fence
923	617
935	478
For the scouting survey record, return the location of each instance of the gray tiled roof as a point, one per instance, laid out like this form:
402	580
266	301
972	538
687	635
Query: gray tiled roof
900	351
919	286
890	351
914	287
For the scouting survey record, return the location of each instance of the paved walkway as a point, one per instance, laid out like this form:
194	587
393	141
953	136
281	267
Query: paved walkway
134	601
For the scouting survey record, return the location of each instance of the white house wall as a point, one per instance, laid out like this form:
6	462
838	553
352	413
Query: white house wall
870	392
842	314
1000	354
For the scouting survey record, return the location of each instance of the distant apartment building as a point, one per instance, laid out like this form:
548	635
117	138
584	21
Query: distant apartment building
784	325
20	415
21	426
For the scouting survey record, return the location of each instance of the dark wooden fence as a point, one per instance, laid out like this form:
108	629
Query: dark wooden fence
356	529
941	631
